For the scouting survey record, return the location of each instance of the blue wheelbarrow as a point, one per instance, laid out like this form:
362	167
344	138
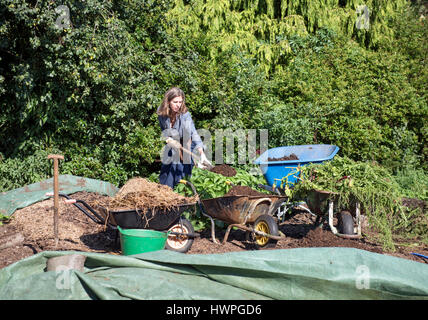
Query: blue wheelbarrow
274	169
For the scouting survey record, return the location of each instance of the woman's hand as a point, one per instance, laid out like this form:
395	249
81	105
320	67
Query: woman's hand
204	163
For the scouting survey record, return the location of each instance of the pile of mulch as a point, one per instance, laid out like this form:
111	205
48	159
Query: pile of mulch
76	231
285	158
142	194
325	238
243	191
224	170
80	233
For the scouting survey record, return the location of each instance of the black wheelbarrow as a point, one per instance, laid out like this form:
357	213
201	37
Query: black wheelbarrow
253	214
181	232
322	203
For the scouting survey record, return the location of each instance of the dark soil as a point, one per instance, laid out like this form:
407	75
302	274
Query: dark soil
224	170
78	232
415	203
243	191
285	158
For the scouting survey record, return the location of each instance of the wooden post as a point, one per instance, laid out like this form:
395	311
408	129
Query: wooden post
55	158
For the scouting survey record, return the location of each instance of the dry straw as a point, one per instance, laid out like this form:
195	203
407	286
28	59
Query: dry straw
142	194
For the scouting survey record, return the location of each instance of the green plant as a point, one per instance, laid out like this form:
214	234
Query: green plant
89	83
373	186
4	219
288	127
212	185
263	28
20	171
298	68
413	183
359	100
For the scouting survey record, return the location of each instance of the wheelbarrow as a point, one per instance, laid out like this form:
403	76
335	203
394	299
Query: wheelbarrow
320	202
181	233
253	214
286	174
274	171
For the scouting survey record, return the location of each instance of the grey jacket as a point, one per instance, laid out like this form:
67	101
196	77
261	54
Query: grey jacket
183	130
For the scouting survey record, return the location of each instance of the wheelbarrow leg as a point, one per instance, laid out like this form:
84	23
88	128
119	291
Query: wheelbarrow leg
201	207
212	228
226	236
330	217
319	221
335	231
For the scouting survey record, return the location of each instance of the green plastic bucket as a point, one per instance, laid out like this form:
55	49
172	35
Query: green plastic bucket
134	241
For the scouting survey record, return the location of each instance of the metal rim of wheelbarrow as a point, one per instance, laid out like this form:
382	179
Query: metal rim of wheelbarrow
246	211
97	218
181	241
242	226
265	226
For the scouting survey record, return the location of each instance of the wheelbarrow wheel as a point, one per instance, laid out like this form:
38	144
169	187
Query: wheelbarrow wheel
345	223
267	224
180	243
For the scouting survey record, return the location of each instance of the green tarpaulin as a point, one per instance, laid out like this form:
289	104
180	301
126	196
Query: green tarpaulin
304	273
15	199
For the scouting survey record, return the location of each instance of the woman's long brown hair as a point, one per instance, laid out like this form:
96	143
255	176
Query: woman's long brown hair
172	93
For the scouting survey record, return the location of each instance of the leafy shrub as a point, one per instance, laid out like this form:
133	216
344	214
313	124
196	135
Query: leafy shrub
413	183
374	187
92	88
17	172
358	100
263	28
89	84
212	185
287	127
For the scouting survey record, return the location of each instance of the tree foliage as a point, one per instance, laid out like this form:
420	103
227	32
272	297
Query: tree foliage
359	100
85	85
309	71
264	27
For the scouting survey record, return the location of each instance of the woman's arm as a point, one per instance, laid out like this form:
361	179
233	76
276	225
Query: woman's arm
189	131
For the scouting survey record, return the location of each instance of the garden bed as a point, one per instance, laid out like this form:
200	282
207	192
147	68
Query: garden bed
78	232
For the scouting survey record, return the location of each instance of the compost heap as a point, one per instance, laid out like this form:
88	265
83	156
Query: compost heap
224	170
243	191
285	158
142	194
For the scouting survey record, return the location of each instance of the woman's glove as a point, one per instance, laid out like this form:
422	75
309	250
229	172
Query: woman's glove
204	163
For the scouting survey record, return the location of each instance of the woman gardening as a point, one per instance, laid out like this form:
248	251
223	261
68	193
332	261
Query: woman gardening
179	132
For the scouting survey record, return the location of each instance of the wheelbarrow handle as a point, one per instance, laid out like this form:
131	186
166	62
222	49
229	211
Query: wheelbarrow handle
93	215
190	185
201	207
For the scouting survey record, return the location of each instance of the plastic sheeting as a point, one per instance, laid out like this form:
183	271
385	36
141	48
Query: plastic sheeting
15	199
303	273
